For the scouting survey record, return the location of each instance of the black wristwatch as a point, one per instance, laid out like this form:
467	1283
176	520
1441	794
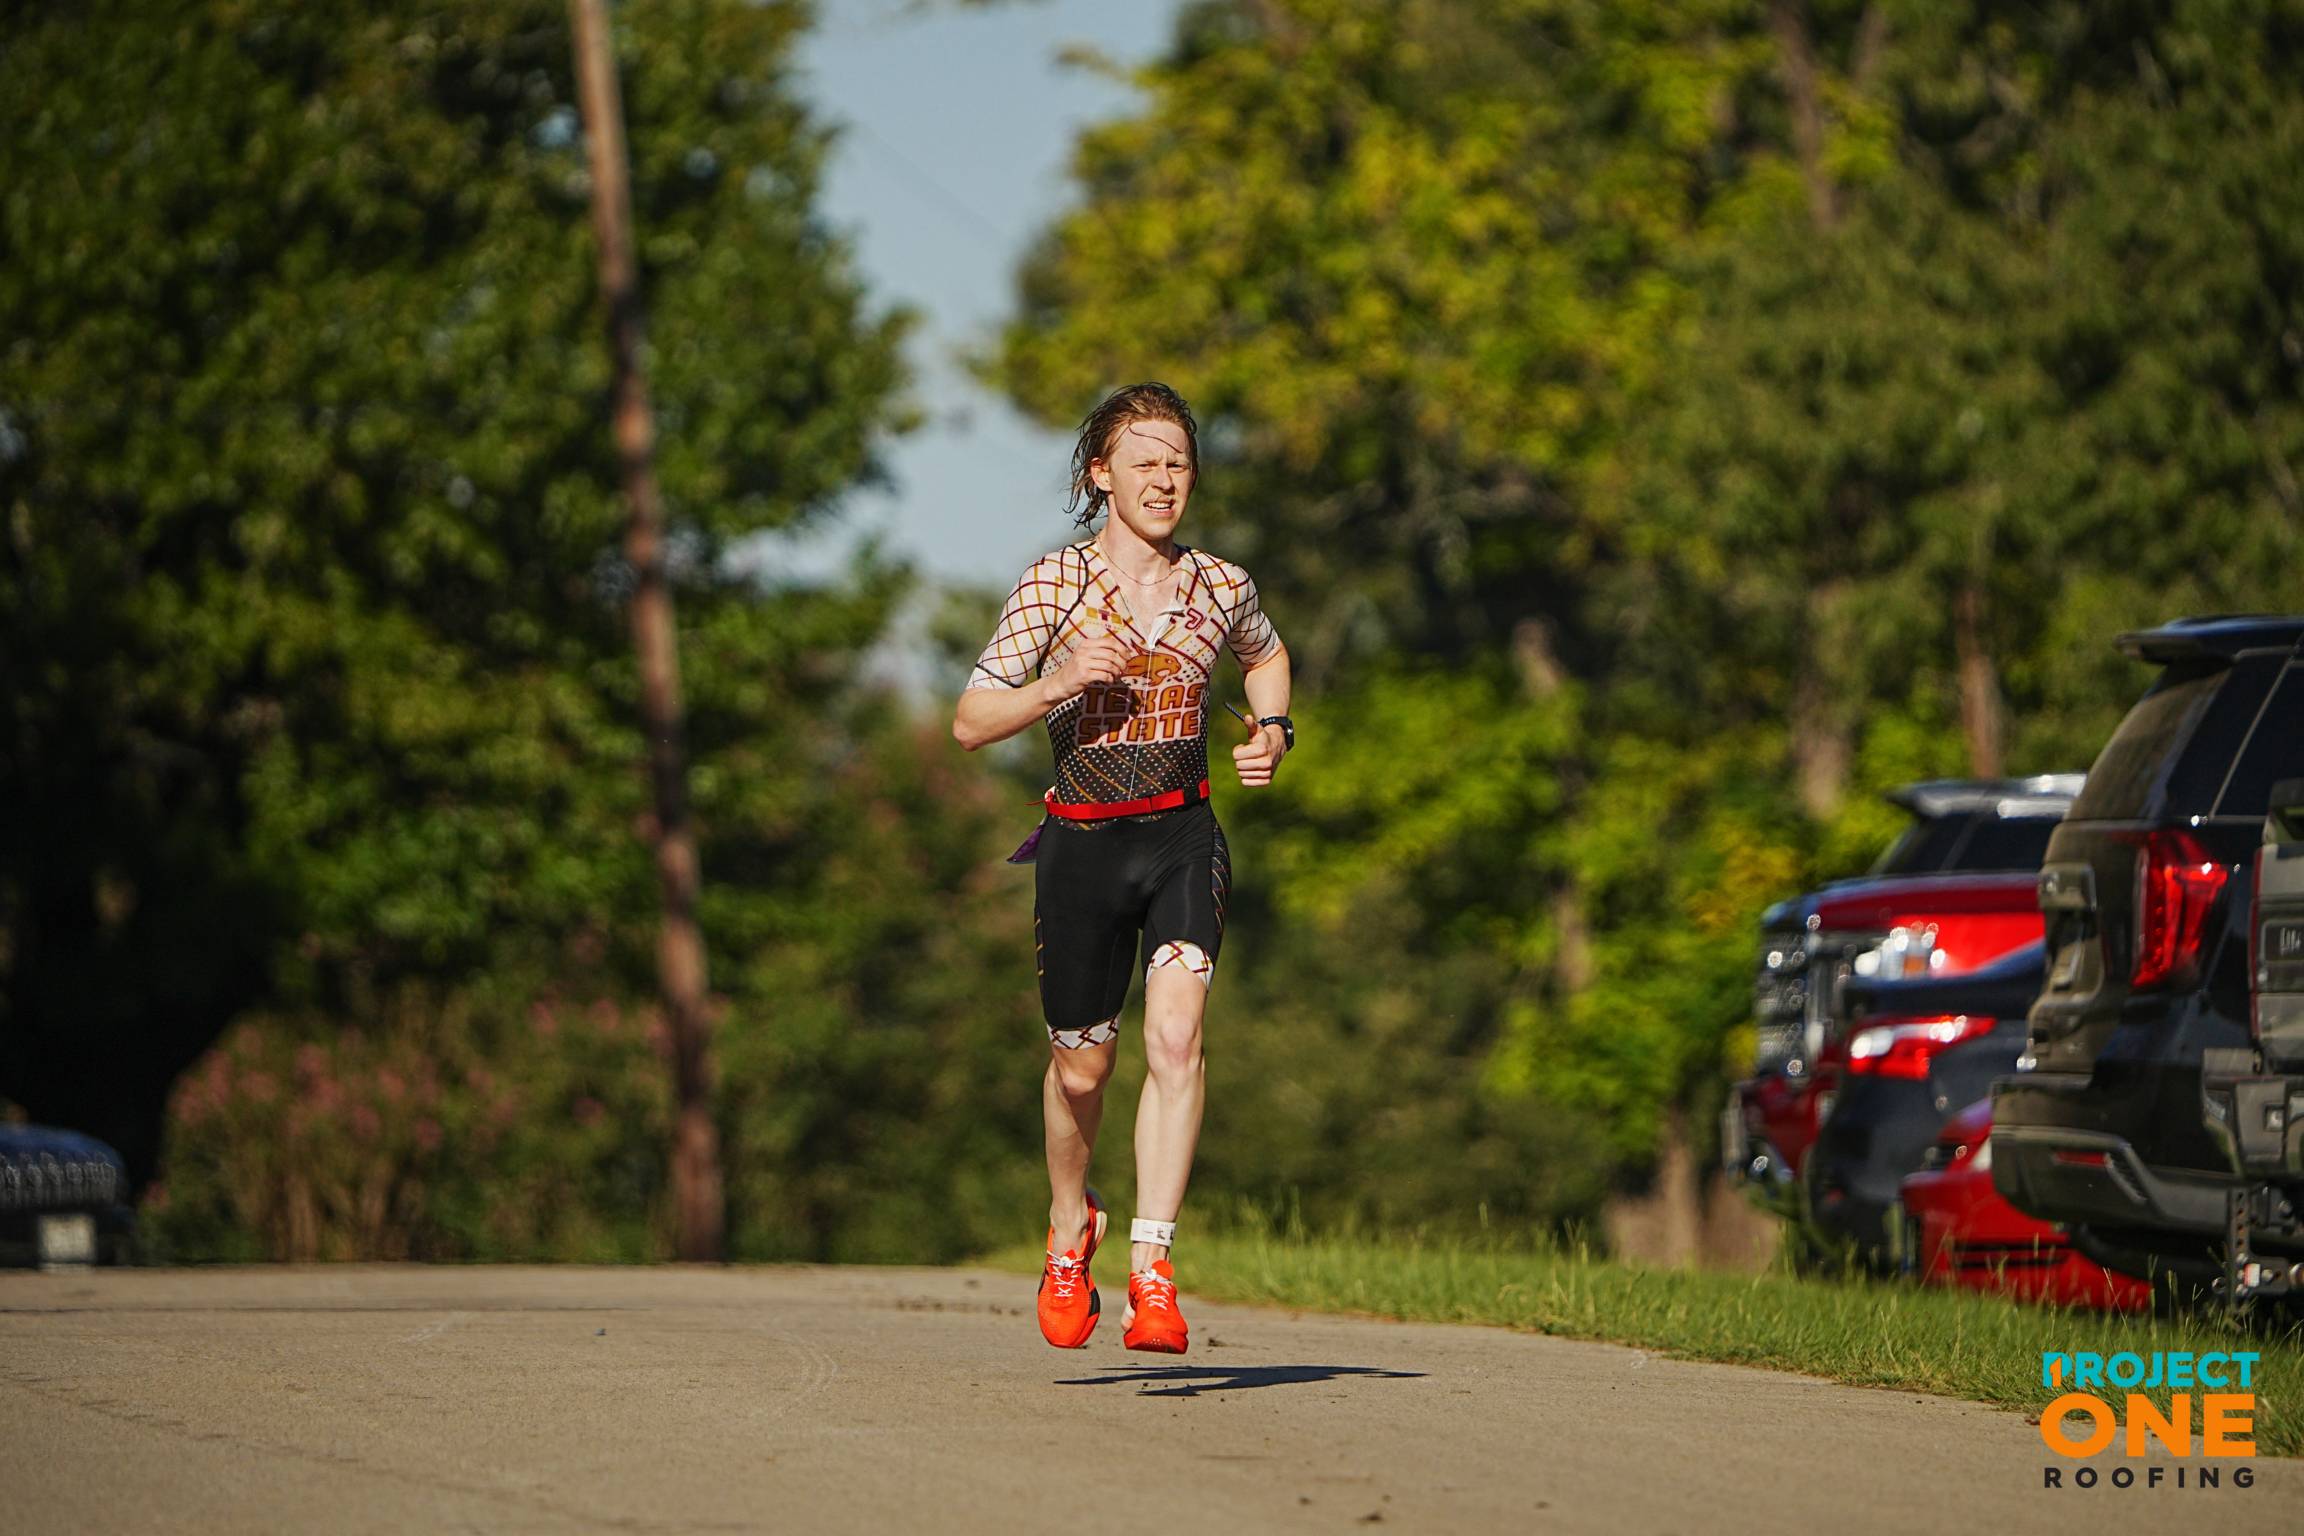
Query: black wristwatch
1287	728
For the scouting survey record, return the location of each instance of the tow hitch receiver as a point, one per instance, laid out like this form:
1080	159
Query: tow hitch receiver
2249	1275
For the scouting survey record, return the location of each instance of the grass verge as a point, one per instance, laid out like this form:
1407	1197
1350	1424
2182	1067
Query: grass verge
1873	1333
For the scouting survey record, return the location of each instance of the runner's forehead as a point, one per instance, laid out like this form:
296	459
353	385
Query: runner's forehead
1153	437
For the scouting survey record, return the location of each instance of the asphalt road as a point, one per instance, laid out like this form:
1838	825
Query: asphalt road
870	1400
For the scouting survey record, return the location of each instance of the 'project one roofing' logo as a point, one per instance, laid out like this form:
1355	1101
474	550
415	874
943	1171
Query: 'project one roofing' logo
2225	1384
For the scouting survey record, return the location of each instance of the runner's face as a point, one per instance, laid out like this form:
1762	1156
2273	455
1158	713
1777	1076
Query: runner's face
1148	476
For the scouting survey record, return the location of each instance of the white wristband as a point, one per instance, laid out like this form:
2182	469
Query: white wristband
1159	1233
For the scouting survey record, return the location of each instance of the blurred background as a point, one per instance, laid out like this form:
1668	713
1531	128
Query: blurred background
1655	427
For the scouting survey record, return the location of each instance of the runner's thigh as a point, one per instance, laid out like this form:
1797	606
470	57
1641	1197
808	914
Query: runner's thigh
1086	910
1191	885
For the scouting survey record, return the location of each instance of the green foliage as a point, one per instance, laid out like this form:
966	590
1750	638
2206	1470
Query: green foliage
877	1042
318	682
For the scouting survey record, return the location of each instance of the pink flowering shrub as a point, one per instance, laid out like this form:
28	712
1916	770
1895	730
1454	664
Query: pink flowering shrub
447	1132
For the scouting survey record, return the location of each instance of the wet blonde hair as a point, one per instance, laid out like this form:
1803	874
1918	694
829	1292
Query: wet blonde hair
1137	402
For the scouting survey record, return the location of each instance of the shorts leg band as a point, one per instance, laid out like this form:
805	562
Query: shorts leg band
1076	1039
1159	1233
1187	954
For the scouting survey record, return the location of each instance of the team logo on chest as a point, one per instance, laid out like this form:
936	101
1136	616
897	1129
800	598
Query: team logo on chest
1151	700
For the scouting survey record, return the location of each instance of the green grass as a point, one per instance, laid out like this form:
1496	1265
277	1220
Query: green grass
1864	1332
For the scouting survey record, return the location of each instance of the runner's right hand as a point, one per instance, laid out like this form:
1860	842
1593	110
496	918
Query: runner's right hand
1100	659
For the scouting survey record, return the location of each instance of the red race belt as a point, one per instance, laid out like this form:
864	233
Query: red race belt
1096	810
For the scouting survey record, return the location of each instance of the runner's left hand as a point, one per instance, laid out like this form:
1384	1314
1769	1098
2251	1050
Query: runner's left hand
1259	755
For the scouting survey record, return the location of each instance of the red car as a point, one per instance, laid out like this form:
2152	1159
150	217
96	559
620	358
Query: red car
1966	1234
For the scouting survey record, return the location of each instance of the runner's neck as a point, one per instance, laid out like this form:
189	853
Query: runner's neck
1142	563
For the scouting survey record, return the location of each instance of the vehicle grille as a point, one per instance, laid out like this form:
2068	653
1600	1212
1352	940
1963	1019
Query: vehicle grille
1780	1002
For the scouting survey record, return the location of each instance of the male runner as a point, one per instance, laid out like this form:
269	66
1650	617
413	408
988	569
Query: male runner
1124	630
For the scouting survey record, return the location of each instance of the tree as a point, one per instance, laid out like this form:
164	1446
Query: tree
314	673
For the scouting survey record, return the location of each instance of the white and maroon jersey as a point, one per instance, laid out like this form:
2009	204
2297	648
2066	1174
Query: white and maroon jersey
1147	732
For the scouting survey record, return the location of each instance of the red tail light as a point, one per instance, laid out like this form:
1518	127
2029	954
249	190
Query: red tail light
1903	1047
2176	883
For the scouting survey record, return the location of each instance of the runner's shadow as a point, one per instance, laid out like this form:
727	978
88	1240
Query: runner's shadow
1192	1380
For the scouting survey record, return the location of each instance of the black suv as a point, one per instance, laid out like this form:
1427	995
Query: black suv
2145	896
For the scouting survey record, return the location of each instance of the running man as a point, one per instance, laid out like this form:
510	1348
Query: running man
1130	869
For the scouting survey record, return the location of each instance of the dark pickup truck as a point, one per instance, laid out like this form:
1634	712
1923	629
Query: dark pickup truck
1954	892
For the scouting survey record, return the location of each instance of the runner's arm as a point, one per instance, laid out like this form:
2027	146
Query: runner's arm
1002	696
987	715
1267	685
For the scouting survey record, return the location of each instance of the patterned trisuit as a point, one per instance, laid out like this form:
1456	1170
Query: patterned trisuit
1101	879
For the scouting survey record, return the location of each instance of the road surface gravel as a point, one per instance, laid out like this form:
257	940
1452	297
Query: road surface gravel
802	1400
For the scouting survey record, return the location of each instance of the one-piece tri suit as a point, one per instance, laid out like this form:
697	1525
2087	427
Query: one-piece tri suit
1131	867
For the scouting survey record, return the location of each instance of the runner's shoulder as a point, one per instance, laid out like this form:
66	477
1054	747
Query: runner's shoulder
1065	567
1228	576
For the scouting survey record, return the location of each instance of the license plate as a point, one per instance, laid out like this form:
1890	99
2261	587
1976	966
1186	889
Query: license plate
2280	955
67	1242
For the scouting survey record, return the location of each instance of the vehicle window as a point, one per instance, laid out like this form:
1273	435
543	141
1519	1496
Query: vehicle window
2170	756
2275	751
2005	842
1924	847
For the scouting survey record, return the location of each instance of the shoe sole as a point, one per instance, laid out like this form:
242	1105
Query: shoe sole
1148	1346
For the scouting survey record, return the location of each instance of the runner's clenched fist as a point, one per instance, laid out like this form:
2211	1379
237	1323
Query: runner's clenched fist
1259	755
1100	659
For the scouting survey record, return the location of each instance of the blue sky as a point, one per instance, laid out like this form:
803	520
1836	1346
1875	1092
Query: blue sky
957	124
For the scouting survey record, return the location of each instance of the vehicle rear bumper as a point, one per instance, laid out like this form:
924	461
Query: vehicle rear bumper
1750	1159
2062	1173
2065	1148
1875	1136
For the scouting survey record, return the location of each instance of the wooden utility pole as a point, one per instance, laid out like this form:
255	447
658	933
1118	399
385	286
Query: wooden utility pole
699	1207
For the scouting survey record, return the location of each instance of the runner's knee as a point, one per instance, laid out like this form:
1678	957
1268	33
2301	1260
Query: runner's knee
1171	1043
1080	1069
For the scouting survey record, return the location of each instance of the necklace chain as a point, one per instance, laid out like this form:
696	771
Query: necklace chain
1140	580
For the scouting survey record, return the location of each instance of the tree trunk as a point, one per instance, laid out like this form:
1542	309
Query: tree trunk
699	1209
1804	94
1663	1227
1980	708
1821	749
1572	965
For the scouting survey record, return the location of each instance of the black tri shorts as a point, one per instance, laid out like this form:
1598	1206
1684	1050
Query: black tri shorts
1111	896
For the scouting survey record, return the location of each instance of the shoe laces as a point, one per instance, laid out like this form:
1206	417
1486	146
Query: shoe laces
1154	1291
1064	1272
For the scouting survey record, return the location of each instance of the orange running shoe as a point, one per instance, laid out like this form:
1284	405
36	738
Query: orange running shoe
1068	1300
1152	1322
